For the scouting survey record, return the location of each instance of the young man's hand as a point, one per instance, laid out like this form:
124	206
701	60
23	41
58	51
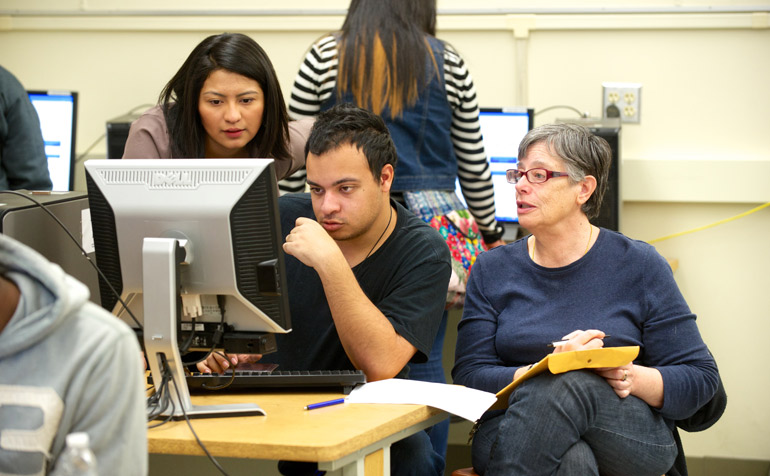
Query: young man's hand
218	363
311	244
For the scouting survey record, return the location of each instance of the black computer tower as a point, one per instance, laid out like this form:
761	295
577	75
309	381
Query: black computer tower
609	214
609	130
29	224
117	134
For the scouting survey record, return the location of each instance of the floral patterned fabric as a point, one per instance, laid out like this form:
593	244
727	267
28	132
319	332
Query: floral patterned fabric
444	212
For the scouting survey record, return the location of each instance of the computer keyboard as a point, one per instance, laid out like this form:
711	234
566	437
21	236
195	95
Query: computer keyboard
344	380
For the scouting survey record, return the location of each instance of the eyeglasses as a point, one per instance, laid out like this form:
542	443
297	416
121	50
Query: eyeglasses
533	175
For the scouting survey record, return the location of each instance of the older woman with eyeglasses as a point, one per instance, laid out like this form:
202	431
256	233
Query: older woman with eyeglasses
574	281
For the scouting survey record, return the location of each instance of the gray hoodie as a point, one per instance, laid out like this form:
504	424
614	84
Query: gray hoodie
66	365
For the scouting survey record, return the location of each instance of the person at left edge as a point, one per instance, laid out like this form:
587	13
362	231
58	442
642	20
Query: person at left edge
66	366
23	163
367	279
224	102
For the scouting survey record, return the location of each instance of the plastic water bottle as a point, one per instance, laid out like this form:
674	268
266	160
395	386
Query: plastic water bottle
77	458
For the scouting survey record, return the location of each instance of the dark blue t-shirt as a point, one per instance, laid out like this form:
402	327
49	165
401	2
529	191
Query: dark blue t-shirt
406	278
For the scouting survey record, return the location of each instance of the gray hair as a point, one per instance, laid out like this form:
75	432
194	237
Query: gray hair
582	152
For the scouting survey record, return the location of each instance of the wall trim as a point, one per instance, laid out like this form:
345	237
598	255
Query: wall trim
109	9
520	23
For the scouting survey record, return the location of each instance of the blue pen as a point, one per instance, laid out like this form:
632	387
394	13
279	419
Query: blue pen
328	403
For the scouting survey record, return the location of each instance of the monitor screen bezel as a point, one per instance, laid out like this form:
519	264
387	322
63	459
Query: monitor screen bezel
56	95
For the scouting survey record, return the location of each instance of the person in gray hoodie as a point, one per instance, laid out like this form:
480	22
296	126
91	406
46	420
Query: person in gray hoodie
66	366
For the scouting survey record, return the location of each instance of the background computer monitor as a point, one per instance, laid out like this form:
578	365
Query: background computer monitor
503	128
58	111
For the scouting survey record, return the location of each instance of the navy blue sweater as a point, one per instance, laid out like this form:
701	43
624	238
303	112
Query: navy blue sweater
623	287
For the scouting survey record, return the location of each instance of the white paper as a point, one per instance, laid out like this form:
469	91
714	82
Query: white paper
462	401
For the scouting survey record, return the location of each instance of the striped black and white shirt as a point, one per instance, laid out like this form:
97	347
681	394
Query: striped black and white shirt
315	83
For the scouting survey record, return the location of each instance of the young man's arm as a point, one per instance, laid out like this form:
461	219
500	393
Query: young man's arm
369	339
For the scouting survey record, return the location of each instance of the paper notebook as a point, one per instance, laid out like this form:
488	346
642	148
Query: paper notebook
573	360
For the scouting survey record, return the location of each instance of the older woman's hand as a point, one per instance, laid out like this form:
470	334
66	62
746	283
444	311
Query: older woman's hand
621	379
581	340
638	380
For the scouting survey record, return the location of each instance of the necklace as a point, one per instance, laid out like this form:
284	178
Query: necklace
588	245
383	232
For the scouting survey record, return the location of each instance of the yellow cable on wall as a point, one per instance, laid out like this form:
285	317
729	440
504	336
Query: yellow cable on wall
720	222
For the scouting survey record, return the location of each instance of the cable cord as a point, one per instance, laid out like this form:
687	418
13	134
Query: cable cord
141	106
159	401
581	114
217	334
226	384
215	341
83	155
157	404
186	344
720	222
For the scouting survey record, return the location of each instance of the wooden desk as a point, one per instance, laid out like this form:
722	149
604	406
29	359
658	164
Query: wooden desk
349	439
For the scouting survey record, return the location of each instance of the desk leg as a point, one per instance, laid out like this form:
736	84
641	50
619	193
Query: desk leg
376	463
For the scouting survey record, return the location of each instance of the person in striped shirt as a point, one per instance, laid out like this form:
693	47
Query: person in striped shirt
386	58
422	89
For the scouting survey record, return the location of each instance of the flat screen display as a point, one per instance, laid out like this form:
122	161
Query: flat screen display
503	129
57	111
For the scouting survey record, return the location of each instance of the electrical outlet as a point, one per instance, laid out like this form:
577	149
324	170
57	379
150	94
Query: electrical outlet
622	100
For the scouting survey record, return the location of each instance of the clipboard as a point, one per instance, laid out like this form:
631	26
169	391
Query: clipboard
572	360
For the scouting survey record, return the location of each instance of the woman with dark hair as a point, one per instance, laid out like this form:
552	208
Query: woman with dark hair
386	58
224	102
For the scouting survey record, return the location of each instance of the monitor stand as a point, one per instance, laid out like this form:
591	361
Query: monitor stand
161	258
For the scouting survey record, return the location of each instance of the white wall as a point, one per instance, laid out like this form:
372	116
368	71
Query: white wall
723	274
700	154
